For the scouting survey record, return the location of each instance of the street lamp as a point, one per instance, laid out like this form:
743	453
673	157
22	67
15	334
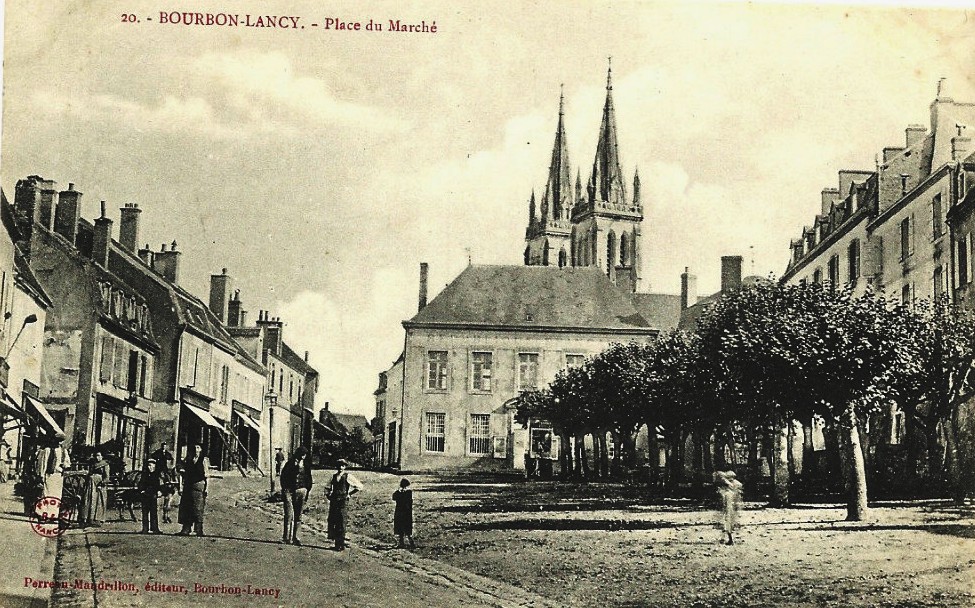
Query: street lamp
31	318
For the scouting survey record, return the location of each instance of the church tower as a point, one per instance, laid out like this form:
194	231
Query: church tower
547	237
596	227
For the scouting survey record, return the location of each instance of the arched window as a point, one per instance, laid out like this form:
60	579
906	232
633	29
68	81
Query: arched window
545	251
624	251
610	252
593	247
562	258
527	256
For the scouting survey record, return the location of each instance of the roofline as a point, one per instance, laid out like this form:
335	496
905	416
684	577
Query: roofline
830	240
560	329
909	196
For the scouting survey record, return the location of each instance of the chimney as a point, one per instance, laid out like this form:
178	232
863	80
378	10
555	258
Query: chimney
730	272
273	330
914	134
101	239
847	178
828	196
128	229
306	356
688	289
234	312
68	213
220	285
145	254
48	201
166	263
960	144
27	204
424	270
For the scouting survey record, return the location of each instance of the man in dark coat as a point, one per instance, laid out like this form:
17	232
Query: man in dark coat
150	484
340	488
192	505
295	486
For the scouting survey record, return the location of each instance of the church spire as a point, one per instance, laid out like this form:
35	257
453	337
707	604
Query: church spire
531	209
636	187
606	182
557	202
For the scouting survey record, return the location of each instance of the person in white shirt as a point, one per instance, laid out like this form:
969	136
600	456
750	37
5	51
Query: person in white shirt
340	487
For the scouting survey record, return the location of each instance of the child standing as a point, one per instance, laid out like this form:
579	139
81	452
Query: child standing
403	514
729	491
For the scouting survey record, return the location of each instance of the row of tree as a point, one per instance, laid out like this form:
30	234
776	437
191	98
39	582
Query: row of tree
762	357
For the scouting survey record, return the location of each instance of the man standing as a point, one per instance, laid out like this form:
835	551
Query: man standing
193	503
295	486
150	485
340	488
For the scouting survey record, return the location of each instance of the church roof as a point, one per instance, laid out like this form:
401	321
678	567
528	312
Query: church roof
534	297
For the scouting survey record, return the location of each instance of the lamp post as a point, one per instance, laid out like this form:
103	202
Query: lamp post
29	319
270	400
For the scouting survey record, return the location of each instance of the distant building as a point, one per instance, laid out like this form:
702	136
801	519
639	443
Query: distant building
290	382
389	398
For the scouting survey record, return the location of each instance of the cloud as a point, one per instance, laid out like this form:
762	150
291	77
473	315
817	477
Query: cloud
268	86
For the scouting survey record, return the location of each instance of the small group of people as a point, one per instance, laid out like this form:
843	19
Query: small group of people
159	479
296	484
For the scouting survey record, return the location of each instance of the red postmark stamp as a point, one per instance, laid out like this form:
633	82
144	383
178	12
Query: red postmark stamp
49	519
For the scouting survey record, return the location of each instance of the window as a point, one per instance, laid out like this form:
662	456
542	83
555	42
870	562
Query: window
121	375
481	371
132	382
906	295
624	250
938	283
853	261
818	276
108	359
527	371
435	436
907	237
479	435
437	370
574	361
834	271
937	219
224	383
143	376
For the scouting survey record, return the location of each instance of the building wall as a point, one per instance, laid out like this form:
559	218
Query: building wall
911	263
868	267
458	400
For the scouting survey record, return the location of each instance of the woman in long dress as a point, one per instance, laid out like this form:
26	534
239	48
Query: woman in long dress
192	504
729	491
95	494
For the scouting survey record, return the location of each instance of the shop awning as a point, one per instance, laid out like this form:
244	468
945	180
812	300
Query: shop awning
46	419
205	416
250	422
9	407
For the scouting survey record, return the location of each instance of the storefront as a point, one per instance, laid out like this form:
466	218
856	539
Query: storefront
120	431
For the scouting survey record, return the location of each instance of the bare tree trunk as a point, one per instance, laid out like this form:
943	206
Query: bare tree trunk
597	448
808	450
952	464
780	464
603	456
565	456
653	455
856	507
793	461
581	464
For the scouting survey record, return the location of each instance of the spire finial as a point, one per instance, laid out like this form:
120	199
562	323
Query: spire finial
561	99
609	75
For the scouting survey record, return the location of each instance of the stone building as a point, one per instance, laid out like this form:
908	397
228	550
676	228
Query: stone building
886	229
24	416
156	361
492	333
100	349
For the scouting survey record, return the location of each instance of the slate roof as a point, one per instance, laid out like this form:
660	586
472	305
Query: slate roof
661	310
295	361
533	297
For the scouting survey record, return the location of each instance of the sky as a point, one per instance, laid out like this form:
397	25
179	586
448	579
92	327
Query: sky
321	167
